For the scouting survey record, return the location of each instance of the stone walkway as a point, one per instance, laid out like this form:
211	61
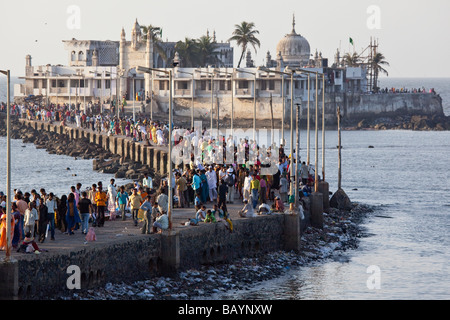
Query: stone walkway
114	231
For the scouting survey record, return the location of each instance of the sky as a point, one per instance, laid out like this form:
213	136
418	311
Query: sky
412	34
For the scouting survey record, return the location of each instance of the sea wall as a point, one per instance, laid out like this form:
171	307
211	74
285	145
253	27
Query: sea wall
153	157
367	106
354	106
142	257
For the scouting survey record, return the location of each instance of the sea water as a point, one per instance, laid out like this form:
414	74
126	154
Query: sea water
406	175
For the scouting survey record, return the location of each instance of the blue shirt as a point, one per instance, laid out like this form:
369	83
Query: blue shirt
122	197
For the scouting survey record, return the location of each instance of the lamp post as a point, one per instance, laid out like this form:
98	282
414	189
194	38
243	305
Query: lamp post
212	97
291	74
254	100
232	98
170	195
8	165
192	91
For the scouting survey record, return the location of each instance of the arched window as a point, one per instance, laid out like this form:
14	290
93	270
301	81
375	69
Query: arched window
73	56
81	56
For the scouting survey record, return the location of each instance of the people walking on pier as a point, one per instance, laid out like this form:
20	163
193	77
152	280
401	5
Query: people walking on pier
85	209
101	199
148	208
135	201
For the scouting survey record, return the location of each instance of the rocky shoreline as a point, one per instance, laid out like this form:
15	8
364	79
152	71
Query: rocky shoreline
342	231
103	160
402	122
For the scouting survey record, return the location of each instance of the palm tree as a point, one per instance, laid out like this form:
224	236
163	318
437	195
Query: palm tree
206	52
377	63
245	34
156	36
188	51
351	60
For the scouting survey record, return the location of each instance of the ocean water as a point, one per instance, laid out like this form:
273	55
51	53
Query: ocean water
406	176
33	168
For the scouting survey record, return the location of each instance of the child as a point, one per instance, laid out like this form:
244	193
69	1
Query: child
147	207
210	218
197	202
30	217
29	245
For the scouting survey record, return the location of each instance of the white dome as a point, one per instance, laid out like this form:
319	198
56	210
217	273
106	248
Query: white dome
294	49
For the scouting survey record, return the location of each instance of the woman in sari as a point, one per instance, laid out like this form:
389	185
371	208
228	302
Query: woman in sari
3	222
204	186
72	216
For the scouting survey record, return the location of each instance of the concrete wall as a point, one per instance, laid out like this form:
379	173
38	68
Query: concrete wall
354	106
141	257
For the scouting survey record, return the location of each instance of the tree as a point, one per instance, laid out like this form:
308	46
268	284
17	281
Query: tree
377	63
351	60
188	51
206	51
245	35
156	33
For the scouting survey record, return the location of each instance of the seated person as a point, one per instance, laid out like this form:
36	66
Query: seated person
247	211
218	213
264	209
279	205
162	222
200	216
29	245
210	218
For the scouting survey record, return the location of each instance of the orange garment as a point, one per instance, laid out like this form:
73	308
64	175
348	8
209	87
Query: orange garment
101	198
3	231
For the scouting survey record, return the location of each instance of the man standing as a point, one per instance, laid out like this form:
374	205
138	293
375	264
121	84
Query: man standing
223	192
147	207
304	171
135	202
212	183
147	182
85	209
230	180
112	194
100	200
181	188
255	186
122	199
52	206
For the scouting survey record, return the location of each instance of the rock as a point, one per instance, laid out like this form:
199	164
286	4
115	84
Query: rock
341	201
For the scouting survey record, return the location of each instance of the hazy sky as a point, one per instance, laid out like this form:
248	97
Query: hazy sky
413	34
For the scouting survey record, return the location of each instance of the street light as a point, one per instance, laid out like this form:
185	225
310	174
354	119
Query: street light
8	165
170	195
192	90
254	100
212	97
316	182
232	99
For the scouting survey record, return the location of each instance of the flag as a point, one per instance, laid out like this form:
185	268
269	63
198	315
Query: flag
351	41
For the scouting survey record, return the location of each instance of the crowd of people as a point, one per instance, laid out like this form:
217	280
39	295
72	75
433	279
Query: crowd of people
201	183
38	216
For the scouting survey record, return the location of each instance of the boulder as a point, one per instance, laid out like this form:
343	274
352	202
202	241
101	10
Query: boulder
341	201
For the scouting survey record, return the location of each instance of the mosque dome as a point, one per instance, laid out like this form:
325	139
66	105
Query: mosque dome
294	49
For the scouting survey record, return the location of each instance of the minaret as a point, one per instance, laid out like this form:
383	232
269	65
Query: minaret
28	66
149	61
122	48
136	35
268	60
